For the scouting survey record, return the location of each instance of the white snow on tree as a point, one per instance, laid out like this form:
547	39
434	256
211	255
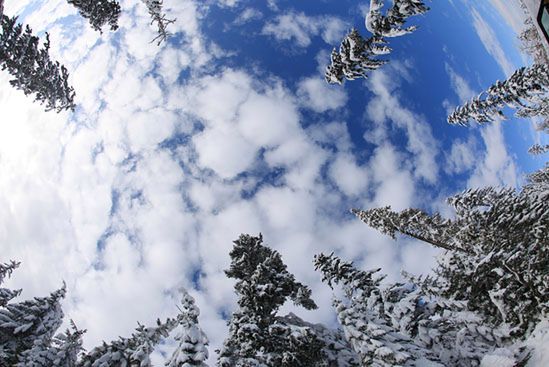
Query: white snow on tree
132	351
527	91
391	24
31	67
155	11
538	149
336	351
192	348
7	295
366	318
357	56
495	261
263	284
61	351
98	12
24	323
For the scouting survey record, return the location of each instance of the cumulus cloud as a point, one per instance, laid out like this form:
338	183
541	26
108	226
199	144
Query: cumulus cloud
300	28
317	95
386	108
496	166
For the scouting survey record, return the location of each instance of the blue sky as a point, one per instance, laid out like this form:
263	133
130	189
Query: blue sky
175	150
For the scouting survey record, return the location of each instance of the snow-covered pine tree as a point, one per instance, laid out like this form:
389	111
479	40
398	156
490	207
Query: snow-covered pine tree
527	91
391	24
155	11
61	351
336	350
132	351
496	235
24	323
357	55
98	12
192	348
31	67
263	285
7	295
538	149
415	223
370	317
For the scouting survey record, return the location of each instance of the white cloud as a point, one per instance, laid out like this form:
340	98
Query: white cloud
511	12
497	167
300	28
459	85
491	43
386	107
317	95
462	156
247	15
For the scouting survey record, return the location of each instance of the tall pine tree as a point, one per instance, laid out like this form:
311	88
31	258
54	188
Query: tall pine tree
357	56
192	348
366	318
263	284
99	12
526	90
31	67
132	351
23	324
61	351
498	238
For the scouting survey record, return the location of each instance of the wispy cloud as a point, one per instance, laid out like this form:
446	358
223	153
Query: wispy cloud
491	42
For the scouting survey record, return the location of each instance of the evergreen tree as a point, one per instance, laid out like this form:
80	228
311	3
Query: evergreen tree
538	149
99	12
25	323
391	25
526	90
155	11
132	351
263	284
368	315
192	349
7	295
31	67
357	55
61	351
496	235
355	58
336	350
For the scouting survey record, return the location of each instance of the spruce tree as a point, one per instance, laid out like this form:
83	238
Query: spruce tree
263	284
31	67
526	90
368	315
99	12
496	235
391	24
155	11
61	351
7	295
132	351
25	323
192	348
357	56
